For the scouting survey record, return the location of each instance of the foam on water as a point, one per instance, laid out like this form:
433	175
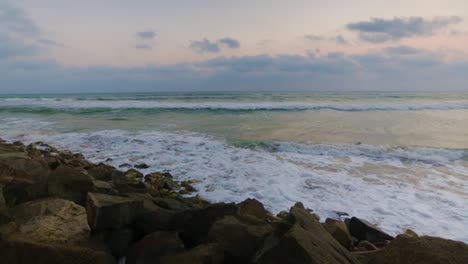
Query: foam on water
419	188
74	104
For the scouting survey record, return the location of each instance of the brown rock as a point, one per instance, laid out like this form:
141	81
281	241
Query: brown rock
305	241
52	221
366	245
422	250
339	231
253	208
194	224
239	238
202	254
69	183
21	251
108	211
154	246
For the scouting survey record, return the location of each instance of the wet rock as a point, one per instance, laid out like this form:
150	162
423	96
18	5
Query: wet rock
363	230
159	181
134	178
303	241
22	251
366	245
202	254
142	166
254	208
125	165
240	238
194	224
154	246
51	220
111	212
422	250
70	184
150	222
339	231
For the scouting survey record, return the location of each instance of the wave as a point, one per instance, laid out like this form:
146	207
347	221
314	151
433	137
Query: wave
395	187
52	105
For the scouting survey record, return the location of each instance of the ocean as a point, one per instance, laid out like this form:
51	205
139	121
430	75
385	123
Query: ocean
399	160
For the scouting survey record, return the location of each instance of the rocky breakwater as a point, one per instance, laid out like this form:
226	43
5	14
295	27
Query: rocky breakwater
56	207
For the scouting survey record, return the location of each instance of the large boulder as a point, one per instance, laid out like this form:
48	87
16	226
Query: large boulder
240	238
194	224
69	183
22	251
363	230
159	220
111	212
254	208
302	240
52	221
154	246
203	254
421	250
339	231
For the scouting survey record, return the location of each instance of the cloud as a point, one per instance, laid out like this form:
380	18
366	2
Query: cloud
341	40
208	46
148	34
401	50
313	37
143	47
379	30
13	20
230	43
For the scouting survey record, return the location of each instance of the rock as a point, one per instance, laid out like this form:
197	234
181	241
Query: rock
188	186
105	172
363	230
159	181
202	254
110	212
422	250
21	251
253	208
150	222
142	166
303	241
366	245
70	184
410	232
52	221
125	165
104	187
117	240
154	246
239	238
194	224
171	204
338	231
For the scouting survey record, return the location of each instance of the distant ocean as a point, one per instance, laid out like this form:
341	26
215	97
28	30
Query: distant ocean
396	159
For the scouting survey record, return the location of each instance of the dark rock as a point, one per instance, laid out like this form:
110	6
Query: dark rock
159	181
304	241
202	254
363	230
125	165
171	204
105	172
154	246
239	238
70	184
150	222
339	231
104	187
253	208
422	250
142	166
118	240
366	245
194	224
22	251
110	212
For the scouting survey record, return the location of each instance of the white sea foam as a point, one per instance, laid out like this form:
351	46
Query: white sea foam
71	103
420	188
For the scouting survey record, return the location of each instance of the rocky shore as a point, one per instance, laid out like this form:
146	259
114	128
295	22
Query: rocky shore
56	207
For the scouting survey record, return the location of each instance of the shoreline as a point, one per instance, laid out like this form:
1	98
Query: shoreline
60	205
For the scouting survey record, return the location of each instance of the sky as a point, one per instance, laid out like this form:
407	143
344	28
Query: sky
65	46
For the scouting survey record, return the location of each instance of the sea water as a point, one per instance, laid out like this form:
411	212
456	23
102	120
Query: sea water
399	160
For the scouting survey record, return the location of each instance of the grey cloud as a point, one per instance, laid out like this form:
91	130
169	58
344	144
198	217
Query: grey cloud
208	46
230	42
148	34
14	20
379	30
143	47
341	40
401	50
313	37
